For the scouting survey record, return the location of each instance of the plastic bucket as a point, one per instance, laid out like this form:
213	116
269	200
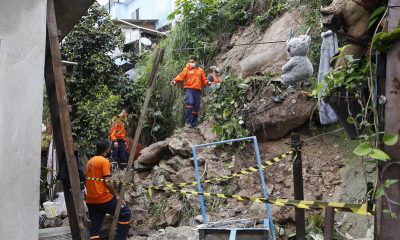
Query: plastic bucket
50	209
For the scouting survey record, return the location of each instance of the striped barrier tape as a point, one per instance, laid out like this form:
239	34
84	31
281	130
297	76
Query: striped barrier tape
361	209
249	170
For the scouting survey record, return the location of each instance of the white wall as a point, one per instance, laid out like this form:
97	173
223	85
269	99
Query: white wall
149	9
22	49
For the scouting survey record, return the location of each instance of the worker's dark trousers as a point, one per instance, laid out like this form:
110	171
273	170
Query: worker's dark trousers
96	216
119	154
192	106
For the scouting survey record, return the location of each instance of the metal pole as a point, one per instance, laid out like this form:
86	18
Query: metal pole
298	185
199	187
264	188
388	226
329	223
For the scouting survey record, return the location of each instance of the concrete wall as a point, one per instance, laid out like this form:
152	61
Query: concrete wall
22	50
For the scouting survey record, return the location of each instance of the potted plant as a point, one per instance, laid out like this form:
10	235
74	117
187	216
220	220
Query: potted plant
344	89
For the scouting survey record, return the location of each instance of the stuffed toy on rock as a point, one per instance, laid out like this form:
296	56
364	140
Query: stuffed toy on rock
299	68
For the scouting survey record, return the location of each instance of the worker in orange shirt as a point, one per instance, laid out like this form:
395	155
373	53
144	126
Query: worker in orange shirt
101	197
118	139
214	77
194	80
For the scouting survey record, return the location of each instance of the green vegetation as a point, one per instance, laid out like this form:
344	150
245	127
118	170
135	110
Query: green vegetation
97	89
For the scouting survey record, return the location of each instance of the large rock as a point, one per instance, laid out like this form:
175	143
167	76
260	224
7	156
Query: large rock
247	60
272	121
217	168
182	141
173	211
180	233
177	163
185	175
152	155
206	130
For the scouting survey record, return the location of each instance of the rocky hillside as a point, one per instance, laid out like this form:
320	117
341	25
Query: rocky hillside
329	173
325	178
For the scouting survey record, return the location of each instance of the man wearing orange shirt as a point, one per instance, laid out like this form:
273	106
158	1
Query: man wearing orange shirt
195	79
118	139
101	197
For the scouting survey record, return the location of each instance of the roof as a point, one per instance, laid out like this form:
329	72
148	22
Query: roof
68	13
142	21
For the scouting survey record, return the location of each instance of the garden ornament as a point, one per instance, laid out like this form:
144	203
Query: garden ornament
299	68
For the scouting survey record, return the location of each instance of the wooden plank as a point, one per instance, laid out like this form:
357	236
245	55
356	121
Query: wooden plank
387	227
329	223
156	65
62	132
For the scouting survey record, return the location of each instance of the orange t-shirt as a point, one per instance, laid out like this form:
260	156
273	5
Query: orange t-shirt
97	192
194	78
117	131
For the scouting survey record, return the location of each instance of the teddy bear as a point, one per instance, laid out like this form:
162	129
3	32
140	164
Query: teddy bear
299	68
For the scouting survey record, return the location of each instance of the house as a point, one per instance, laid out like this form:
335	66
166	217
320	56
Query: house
152	14
143	22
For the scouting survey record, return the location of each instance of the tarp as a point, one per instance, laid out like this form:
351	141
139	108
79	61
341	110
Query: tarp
328	49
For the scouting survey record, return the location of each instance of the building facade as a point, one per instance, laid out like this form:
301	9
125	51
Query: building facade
141	10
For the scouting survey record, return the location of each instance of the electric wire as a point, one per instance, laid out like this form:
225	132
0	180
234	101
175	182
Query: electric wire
321	135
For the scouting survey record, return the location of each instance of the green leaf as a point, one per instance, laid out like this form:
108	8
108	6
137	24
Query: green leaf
363	149
379	155
375	16
390	139
380	191
390	182
350	120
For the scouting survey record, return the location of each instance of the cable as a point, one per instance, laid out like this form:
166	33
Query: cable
318	136
227	46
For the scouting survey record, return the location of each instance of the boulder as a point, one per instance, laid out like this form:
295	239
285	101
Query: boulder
185	175
206	157
140	167
177	163
272	121
180	233
181	143
206	130
250	59
173	211
160	176
152	154
217	168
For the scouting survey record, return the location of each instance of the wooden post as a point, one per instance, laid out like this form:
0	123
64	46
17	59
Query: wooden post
388	227
62	132
152	81
329	221
298	186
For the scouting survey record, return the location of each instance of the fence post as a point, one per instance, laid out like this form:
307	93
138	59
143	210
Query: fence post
298	185
329	223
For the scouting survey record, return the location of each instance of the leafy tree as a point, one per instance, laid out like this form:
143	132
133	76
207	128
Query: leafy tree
97	88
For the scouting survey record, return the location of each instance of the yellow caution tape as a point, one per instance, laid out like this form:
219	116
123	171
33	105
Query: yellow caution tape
249	170
360	209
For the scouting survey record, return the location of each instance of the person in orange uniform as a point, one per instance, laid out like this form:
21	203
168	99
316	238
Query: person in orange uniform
101	197
214	77
118	139
194	80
